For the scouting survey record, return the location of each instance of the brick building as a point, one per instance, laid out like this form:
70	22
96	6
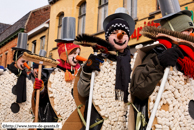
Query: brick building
8	38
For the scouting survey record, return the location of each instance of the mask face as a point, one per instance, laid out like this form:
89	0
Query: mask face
72	57
20	63
188	31
120	43
35	72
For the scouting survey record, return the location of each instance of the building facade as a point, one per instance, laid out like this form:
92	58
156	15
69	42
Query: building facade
9	37
90	14
38	38
43	25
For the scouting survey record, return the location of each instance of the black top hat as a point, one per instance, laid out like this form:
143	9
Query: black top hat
22	42
170	8
68	30
120	13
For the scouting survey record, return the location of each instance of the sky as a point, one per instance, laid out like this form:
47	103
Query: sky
12	10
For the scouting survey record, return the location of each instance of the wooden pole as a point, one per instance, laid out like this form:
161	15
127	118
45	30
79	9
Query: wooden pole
38	94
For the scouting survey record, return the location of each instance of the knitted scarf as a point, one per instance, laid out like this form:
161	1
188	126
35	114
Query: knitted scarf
21	83
67	66
123	71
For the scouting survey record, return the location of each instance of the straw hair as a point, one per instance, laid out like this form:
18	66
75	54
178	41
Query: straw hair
151	32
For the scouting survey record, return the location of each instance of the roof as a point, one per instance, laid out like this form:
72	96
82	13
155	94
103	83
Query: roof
20	24
40	8
38	29
52	1
3	27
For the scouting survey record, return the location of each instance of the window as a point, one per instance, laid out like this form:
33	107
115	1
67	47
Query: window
27	46
81	18
131	6
60	25
42	42
157	5
102	13
34	46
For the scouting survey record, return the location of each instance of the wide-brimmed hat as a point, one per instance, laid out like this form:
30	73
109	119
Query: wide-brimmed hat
120	13
22	42
170	8
67	30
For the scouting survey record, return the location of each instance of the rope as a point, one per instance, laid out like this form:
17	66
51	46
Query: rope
140	118
83	120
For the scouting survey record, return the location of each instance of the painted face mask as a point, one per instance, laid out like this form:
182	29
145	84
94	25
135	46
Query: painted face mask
119	39
72	57
20	63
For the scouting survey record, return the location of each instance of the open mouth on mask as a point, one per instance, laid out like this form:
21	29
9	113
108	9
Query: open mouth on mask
74	60
22	66
118	43
36	74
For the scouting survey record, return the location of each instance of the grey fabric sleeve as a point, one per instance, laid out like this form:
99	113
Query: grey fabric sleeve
83	85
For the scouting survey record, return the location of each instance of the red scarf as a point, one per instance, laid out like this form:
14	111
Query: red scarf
187	63
67	66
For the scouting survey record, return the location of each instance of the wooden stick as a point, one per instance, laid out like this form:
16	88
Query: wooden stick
38	94
41	61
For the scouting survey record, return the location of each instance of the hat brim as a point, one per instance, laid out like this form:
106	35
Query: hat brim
20	49
64	40
123	16
187	12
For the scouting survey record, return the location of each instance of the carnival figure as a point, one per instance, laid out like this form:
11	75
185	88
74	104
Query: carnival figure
15	103
45	110
61	80
176	50
110	90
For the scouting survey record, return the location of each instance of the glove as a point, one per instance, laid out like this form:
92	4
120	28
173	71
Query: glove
93	63
169	57
38	84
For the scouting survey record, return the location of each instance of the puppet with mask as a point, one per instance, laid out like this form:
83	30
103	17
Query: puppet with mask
17	89
61	80
174	48
110	94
